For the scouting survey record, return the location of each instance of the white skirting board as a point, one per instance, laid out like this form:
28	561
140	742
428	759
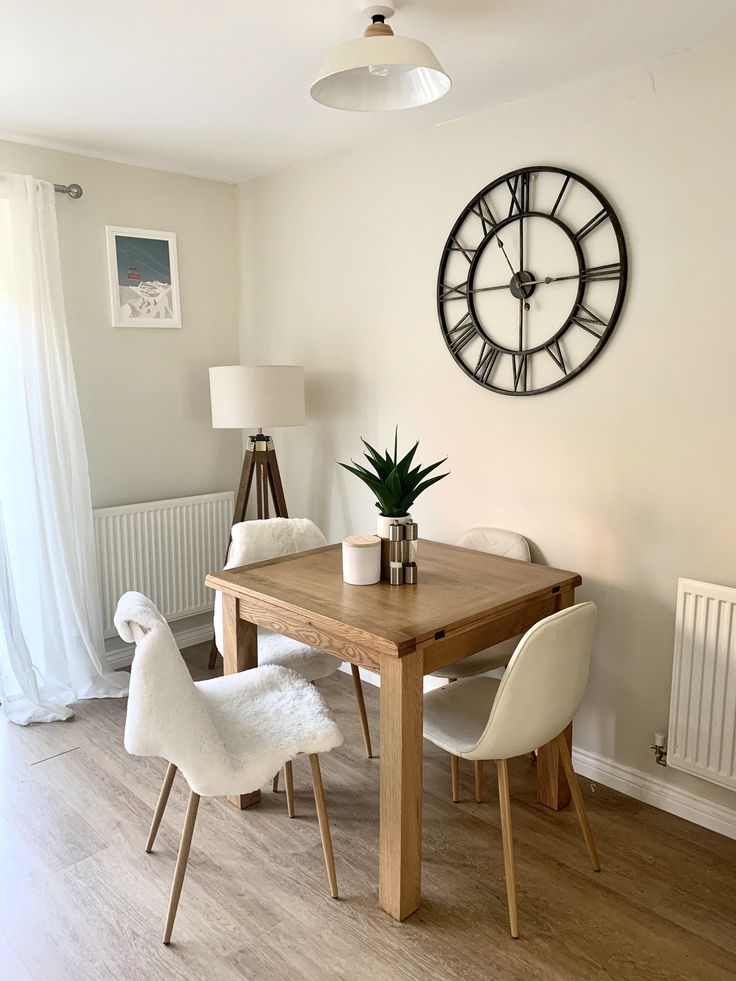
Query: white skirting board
655	791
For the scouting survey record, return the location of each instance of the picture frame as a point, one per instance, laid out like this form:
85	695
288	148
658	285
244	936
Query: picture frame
143	275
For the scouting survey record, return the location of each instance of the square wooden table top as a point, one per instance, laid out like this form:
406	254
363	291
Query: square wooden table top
456	587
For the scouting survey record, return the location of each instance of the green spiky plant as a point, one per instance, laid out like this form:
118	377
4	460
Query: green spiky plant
395	482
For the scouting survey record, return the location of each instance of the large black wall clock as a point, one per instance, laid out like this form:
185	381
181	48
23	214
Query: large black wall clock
532	281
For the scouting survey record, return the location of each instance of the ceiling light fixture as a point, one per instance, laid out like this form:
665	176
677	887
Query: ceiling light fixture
380	71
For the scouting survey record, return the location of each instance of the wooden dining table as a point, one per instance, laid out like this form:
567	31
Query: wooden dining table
464	601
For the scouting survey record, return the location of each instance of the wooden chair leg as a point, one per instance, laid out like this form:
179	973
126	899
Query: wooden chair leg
289	784
577	799
213	656
479	781
181	864
455	769
161	805
361	709
324	823
508	843
276	782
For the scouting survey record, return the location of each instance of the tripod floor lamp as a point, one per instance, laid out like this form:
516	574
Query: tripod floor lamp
251	397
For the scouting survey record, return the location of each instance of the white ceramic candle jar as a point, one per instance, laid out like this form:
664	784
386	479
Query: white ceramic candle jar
361	559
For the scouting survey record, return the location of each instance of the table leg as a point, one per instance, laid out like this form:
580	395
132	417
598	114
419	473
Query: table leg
553	789
400	839
240	643
552	786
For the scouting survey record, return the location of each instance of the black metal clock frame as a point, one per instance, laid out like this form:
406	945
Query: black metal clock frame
522	285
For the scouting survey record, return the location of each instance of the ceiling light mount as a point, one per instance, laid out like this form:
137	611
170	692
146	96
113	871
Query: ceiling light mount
380	71
385	10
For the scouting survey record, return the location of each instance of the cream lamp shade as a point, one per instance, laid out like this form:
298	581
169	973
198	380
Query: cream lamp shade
257	396
380	71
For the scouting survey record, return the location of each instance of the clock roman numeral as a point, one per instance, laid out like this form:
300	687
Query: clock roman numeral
589	321
600	274
519	192
482	209
591	225
486	362
461	334
526	188
554	350
459	292
457	247
519	363
560	195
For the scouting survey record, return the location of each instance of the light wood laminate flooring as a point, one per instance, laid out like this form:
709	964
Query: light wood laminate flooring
80	899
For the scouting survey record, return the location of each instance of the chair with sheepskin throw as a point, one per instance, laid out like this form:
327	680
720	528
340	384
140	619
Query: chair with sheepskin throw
259	541
226	735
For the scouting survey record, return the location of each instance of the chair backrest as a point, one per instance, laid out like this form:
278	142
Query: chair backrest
543	685
497	541
165	718
258	541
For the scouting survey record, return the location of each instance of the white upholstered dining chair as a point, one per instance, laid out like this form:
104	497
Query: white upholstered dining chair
258	541
495	541
540	692
226	735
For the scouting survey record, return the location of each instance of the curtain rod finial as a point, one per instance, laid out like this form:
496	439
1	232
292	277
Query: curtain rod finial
73	190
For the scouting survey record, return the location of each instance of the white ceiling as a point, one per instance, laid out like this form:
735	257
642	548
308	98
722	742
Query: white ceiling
219	88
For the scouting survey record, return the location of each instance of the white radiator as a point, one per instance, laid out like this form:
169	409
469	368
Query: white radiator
163	549
702	734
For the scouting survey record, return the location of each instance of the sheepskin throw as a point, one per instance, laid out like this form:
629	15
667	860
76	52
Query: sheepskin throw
258	541
227	735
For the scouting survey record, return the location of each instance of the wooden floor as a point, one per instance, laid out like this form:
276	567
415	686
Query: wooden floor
79	898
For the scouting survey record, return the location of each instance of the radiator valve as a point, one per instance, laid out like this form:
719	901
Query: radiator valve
660	748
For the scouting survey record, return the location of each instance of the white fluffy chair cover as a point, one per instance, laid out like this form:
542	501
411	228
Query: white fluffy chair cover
258	541
227	735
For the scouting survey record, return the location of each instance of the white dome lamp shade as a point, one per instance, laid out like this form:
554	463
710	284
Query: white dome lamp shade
380	72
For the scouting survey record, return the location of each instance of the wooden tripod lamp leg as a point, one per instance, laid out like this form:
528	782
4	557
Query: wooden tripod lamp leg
246	480
241	504
259	461
274	482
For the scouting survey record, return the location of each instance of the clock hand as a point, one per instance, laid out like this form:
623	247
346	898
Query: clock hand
490	289
522	307
535	282
515	282
513	273
521	242
552	279
596	274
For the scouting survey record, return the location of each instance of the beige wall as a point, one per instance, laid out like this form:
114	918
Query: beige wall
627	474
144	394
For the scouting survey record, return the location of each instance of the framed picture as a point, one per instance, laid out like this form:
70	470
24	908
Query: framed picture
144	278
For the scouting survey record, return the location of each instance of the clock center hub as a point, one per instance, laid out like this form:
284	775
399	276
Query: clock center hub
522	285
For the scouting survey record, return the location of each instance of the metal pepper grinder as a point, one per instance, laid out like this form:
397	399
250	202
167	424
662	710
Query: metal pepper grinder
395	559
409	551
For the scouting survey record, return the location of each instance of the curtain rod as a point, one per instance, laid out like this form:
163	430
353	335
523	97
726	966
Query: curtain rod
73	190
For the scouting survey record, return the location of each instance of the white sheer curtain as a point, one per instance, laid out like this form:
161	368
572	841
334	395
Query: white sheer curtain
51	641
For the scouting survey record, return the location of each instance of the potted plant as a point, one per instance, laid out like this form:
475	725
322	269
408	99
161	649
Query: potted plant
395	483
